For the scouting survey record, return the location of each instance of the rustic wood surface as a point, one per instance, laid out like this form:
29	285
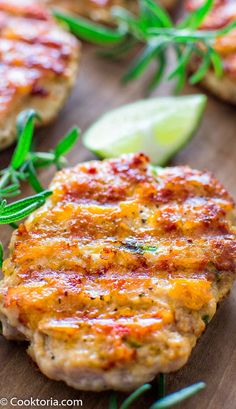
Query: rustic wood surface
214	147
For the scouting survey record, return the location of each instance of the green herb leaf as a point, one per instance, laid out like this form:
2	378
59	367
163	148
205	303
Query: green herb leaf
141	63
150	249
195	19
14	225
225	30
118	51
135	395
86	30
127	20
182	63
67	143
11	190
216	62
177	397
157	77
113	401
161	385
6	176
159	12
18	210
24	163
134	246
25	126
22	119
146	17
201	72
19	214
180	70
21	204
3	204
1	254
33	179
206	319
42	159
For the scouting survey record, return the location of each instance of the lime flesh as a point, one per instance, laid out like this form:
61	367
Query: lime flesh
158	127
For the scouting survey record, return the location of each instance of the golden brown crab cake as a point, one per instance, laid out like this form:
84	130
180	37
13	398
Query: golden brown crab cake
38	64
99	10
114	279
224	12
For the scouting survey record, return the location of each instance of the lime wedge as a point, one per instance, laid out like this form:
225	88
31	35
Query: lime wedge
159	127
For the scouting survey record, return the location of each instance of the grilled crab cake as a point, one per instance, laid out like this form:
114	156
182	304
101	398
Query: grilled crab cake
113	280
224	12
38	64
99	10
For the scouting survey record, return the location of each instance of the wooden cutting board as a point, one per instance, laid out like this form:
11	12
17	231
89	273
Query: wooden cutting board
214	147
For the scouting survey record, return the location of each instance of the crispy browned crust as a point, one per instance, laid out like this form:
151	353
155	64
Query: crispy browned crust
112	281
222	14
38	64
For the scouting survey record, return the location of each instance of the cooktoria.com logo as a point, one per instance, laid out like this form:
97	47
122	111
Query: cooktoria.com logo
35	402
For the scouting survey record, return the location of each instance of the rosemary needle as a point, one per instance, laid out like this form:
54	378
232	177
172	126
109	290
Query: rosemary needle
177	397
11	213
1	254
161	385
90	31
113	401
135	395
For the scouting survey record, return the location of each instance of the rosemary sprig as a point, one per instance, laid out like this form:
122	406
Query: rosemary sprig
154	30
163	402
25	162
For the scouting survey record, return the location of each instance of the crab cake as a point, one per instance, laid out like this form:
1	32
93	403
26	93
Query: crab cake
99	10
38	64
113	280
224	12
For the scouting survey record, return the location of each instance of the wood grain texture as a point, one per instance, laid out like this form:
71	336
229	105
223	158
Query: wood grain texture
214	147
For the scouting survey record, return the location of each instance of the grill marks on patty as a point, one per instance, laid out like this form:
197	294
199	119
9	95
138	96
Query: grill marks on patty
148	233
121	266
